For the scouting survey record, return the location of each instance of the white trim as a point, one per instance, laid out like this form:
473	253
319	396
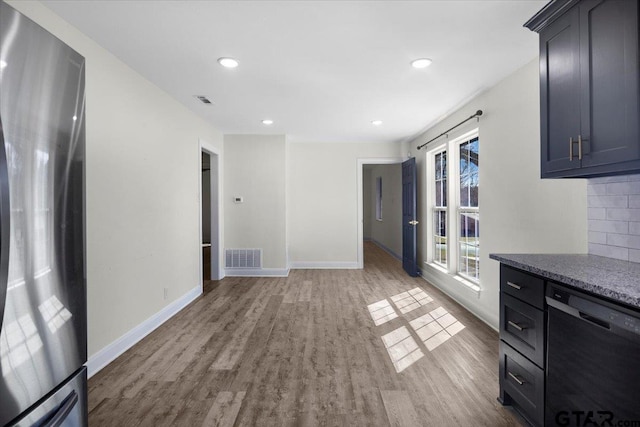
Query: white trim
216	274
109	353
463	295
257	272
452	147
320	265
360	201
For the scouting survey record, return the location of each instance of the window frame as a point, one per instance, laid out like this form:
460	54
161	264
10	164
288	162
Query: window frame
436	209
454	209
461	210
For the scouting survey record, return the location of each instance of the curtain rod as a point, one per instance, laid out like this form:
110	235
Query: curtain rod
477	114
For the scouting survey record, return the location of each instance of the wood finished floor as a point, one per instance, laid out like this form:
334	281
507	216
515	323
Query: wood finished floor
302	350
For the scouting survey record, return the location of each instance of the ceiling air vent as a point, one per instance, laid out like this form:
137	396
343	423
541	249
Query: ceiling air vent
203	99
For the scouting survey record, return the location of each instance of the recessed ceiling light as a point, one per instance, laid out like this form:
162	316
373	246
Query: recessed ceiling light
267	122
3	64
75	118
228	62
421	63
376	122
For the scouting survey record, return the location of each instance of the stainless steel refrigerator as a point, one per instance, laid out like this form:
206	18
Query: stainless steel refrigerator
43	331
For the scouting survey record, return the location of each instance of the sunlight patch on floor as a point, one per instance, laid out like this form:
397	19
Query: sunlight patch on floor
410	300
381	312
402	348
436	327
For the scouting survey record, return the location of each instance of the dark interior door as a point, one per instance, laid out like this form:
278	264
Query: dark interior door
409	223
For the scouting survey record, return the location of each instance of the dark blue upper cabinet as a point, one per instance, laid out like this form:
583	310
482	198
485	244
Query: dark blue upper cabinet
589	87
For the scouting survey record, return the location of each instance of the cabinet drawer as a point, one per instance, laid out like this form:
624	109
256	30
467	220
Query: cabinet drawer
523	286
522	327
523	382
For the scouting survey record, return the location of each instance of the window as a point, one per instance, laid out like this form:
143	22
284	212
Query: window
379	198
440	210
453	190
468	212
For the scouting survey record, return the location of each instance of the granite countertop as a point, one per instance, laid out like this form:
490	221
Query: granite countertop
607	277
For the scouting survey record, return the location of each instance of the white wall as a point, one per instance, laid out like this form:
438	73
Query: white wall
519	212
256	170
388	232
142	183
323	212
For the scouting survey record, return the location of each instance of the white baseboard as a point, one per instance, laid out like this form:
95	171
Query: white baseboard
329	265
109	353
464	296
256	272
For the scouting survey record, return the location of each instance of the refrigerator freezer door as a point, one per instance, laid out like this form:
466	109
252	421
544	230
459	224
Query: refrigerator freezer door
66	407
43	329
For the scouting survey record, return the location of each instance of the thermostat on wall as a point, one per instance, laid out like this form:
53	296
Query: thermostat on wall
238	199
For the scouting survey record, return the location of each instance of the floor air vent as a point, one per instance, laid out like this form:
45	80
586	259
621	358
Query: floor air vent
243	258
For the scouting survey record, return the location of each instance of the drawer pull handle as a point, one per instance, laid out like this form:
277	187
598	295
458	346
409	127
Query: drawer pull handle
515	377
515	325
514	286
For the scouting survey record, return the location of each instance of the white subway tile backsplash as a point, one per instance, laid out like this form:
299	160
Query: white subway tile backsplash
619	227
624	241
616	214
624	188
597	189
597	201
597	237
609	251
596	213
614	217
607	179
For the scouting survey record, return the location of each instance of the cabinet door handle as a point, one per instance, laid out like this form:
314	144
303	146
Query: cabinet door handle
579	147
516	378
571	149
518	327
514	286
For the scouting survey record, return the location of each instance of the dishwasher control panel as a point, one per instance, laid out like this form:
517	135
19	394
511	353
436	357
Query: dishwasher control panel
601	313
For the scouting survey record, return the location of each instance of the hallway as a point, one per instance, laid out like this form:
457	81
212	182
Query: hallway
305	350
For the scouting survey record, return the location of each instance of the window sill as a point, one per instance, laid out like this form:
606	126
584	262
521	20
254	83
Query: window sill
475	287
468	283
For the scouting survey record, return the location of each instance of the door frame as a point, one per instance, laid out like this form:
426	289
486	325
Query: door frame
217	232
360	179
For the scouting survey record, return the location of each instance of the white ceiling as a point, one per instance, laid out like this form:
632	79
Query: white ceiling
322	70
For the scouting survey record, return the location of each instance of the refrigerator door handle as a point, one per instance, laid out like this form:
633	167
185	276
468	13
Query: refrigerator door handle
63	411
4	225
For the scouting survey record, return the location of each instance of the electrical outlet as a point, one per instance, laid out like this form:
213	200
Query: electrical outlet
166	293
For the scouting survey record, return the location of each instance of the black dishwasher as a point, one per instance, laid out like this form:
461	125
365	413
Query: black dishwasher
593	361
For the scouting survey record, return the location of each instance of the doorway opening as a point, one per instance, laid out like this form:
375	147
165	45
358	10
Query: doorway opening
364	171
210	215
